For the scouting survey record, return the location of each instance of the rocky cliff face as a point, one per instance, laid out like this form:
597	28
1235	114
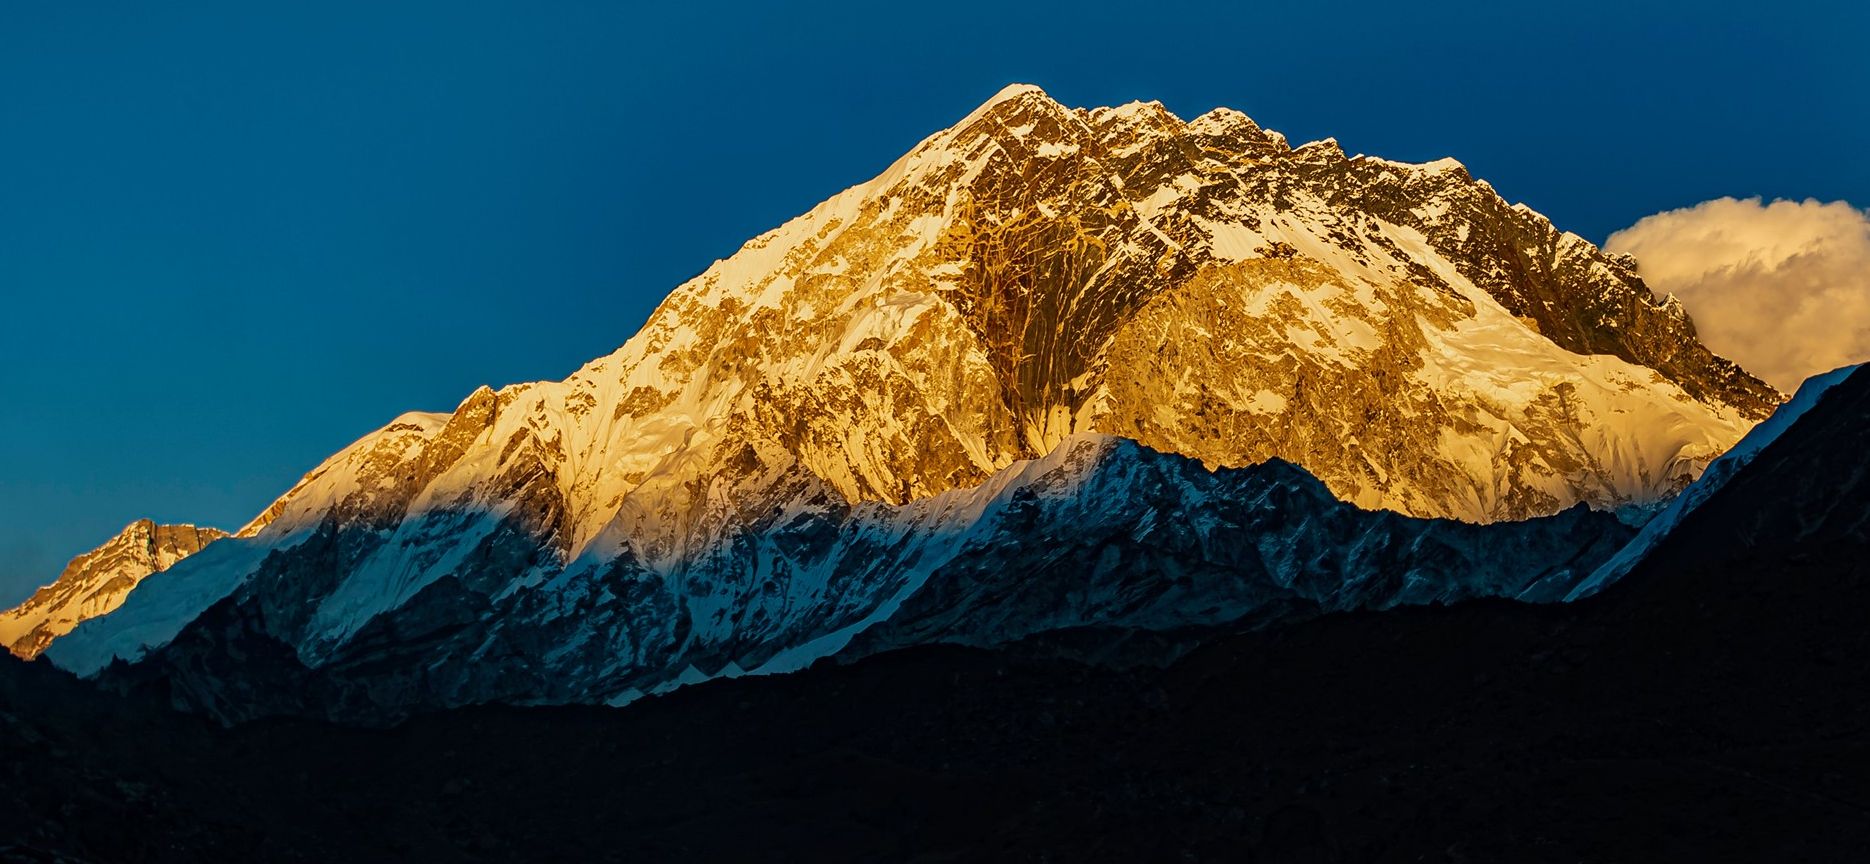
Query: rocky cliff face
96	582
1031	274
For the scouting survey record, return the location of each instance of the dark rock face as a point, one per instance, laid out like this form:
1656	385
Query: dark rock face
1707	707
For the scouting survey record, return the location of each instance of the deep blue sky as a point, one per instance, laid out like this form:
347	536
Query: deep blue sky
234	238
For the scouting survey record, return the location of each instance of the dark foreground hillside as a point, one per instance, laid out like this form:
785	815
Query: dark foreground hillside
1713	706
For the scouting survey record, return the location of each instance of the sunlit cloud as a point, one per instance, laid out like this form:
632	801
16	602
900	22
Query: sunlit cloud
1782	288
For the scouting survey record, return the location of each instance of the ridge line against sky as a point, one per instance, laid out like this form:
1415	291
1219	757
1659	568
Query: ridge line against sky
234	238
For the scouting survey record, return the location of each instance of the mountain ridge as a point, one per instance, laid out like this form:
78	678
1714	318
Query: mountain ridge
1030	274
96	582
1709	707
1102	532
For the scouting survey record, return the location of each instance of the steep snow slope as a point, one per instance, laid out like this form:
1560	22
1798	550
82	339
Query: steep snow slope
1710	482
1032	273
97	582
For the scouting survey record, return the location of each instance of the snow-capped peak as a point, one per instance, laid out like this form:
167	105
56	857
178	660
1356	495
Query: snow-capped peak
1030	274
97	582
1007	94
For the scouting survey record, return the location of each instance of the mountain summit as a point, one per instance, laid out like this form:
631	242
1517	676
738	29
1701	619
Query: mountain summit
1030	276
96	582
1035	271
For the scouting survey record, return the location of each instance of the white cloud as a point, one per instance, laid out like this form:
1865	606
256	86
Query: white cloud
1783	289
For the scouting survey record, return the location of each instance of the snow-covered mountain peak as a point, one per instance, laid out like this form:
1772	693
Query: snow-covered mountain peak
1028	94
96	582
1032	274
988	296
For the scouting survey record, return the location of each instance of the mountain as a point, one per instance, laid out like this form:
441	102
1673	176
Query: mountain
1711	481
1102	533
1772	569
1707	707
97	582
1029	276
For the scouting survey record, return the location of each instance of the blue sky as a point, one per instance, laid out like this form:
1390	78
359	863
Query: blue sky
235	236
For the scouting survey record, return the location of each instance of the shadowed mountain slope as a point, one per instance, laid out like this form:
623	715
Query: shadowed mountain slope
1710	707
